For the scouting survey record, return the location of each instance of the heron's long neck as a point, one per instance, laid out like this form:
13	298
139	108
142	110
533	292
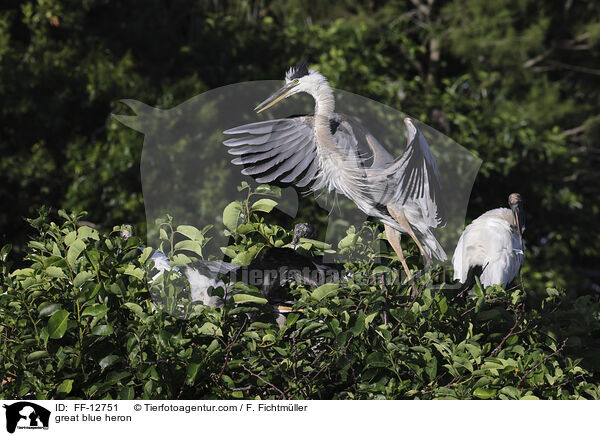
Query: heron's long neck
324	102
324	106
340	169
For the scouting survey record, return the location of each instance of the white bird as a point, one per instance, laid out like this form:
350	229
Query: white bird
270	272
335	152
492	246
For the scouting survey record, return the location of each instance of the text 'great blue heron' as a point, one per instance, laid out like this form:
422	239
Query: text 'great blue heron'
335	152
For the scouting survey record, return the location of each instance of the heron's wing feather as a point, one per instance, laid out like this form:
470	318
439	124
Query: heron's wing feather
281	150
415	179
373	154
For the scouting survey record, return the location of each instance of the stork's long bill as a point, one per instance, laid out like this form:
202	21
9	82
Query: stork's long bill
285	91
516	205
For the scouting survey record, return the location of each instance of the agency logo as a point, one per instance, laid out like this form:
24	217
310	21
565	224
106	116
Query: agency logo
26	415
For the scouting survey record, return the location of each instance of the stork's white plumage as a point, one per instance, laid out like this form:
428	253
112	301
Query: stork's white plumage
493	242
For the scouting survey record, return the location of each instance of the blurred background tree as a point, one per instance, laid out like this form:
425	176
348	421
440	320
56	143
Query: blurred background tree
514	81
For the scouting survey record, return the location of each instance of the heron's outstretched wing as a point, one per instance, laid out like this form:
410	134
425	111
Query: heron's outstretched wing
414	178
284	150
276	150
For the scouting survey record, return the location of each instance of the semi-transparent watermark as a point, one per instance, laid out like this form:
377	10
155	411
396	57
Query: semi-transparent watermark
188	174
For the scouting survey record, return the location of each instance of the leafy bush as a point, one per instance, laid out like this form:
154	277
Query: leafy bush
79	322
515	82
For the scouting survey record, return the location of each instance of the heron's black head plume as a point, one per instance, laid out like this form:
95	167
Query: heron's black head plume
298	71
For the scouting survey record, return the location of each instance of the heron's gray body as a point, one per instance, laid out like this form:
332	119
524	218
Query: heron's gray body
335	152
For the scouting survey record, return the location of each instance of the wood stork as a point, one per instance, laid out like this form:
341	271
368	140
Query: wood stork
493	244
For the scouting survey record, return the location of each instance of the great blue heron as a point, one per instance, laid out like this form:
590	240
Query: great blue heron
492	244
335	152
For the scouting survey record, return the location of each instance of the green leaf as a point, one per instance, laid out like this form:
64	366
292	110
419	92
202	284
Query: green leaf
245	298
484	393
95	310
71	236
377	359
180	259
47	308
268	339
511	391
229	251
208	328
243	186
103	330
145	255
359	324
318	244
291	319
245	257
82	277
369	318
107	361
231	214
127	393
134	271
268	190
65	387
85	232
74	251
191	232
4	252
431	368
56	272
245	228
443	304
57	324
137	309
348	241
38	245
325	291
191	373
63	214
189	246
36	355
264	205
163	235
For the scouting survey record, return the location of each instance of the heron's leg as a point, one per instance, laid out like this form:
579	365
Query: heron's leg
399	216
393	237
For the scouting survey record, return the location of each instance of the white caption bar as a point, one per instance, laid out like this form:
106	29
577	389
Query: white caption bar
296	417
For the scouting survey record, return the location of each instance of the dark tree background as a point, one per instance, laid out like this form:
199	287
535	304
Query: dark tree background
514	81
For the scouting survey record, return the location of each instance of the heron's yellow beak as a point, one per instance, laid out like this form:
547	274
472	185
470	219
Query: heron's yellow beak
278	96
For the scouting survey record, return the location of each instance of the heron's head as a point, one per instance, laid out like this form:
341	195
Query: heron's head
303	230
516	205
297	79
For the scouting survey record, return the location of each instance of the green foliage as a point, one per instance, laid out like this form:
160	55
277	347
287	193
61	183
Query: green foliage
78	321
513	81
